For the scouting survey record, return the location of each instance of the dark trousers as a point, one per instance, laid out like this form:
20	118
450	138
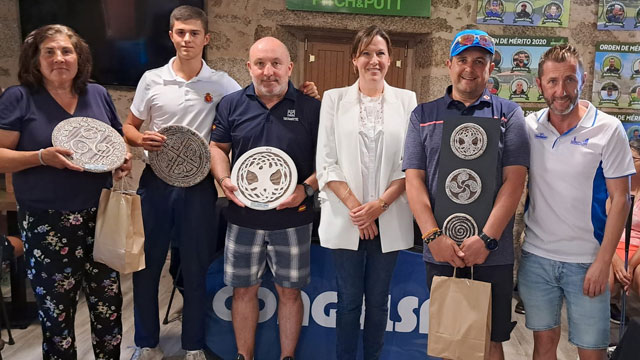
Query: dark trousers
59	255
183	218
364	272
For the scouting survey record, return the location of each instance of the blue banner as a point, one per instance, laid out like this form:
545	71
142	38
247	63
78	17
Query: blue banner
407	326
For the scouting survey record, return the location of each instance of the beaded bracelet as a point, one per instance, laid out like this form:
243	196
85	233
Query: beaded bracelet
432	236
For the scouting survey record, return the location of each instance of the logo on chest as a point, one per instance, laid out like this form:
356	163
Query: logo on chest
541	135
574	141
208	98
291	115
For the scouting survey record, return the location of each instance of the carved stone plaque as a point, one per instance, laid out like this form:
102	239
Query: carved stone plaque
468	141
96	146
463	186
184	158
459	226
265	176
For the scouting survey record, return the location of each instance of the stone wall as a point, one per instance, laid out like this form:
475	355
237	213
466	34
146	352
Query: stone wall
235	24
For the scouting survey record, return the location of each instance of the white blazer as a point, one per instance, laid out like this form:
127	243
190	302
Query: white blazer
338	159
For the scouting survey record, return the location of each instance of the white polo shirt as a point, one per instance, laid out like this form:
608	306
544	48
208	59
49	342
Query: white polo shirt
163	98
566	214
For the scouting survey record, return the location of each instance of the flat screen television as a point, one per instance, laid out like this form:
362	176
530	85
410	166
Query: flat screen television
126	37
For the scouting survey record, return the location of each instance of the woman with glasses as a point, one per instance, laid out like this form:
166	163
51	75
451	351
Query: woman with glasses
365	217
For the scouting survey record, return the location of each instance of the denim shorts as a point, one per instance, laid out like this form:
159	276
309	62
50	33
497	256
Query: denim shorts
248	251
543	283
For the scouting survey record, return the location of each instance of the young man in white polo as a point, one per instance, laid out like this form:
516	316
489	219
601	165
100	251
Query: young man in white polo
183	92
579	157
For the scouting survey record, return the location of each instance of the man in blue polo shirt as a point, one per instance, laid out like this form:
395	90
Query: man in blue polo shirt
579	157
269	112
491	251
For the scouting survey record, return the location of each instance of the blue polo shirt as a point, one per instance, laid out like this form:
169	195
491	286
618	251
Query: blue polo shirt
422	149
34	114
291	126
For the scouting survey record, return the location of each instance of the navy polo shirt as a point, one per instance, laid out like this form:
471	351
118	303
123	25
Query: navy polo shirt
291	126
424	136
34	114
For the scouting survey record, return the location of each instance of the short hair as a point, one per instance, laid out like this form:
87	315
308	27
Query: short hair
559	54
635	144
188	12
364	37
29	73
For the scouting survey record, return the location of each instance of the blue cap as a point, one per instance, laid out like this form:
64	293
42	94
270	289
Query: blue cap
457	47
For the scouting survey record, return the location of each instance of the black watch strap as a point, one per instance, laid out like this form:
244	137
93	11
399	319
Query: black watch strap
308	189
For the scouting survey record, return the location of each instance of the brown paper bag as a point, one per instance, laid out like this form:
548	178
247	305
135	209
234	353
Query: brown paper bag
119	240
459	318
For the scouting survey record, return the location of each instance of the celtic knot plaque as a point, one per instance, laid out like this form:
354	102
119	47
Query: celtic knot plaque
96	146
468	141
459	226
265	176
463	186
184	158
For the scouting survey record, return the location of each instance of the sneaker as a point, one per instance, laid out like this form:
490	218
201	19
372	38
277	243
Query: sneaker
195	355
239	357
146	353
288	358
616	315
519	308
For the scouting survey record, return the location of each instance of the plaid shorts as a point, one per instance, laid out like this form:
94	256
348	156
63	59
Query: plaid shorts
287	252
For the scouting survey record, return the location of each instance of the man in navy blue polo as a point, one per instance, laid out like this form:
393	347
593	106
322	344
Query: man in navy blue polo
269	112
490	251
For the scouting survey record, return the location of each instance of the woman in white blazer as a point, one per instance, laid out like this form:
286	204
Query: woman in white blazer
365	217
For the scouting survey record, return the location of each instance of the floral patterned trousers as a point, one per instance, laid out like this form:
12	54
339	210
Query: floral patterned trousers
59	255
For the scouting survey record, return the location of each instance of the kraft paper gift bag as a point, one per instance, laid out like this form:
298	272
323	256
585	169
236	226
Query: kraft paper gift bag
459	318
119	240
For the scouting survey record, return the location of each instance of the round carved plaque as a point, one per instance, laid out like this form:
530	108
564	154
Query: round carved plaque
463	186
184	158
459	226
265	176
468	141
96	146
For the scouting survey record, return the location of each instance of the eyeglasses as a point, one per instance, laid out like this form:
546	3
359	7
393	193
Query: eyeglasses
485	41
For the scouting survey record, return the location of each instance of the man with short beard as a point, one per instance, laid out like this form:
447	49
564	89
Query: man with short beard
269	112
579	157
488	255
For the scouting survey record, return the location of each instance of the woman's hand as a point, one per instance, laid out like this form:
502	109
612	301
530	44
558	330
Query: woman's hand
622	275
152	140
368	232
366	214
57	157
124	169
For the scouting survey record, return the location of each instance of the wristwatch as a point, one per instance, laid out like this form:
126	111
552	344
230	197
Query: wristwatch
490	243
308	189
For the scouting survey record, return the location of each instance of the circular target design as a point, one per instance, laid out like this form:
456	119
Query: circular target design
459	226
184	159
468	141
463	186
96	146
265	176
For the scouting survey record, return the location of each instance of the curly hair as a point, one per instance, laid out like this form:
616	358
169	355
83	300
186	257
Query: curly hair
29	73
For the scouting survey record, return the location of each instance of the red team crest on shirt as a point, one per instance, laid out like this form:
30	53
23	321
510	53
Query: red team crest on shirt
208	98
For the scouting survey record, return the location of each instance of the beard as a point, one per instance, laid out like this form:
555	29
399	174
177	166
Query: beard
573	102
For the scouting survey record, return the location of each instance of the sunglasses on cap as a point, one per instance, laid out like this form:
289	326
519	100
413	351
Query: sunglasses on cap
485	41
